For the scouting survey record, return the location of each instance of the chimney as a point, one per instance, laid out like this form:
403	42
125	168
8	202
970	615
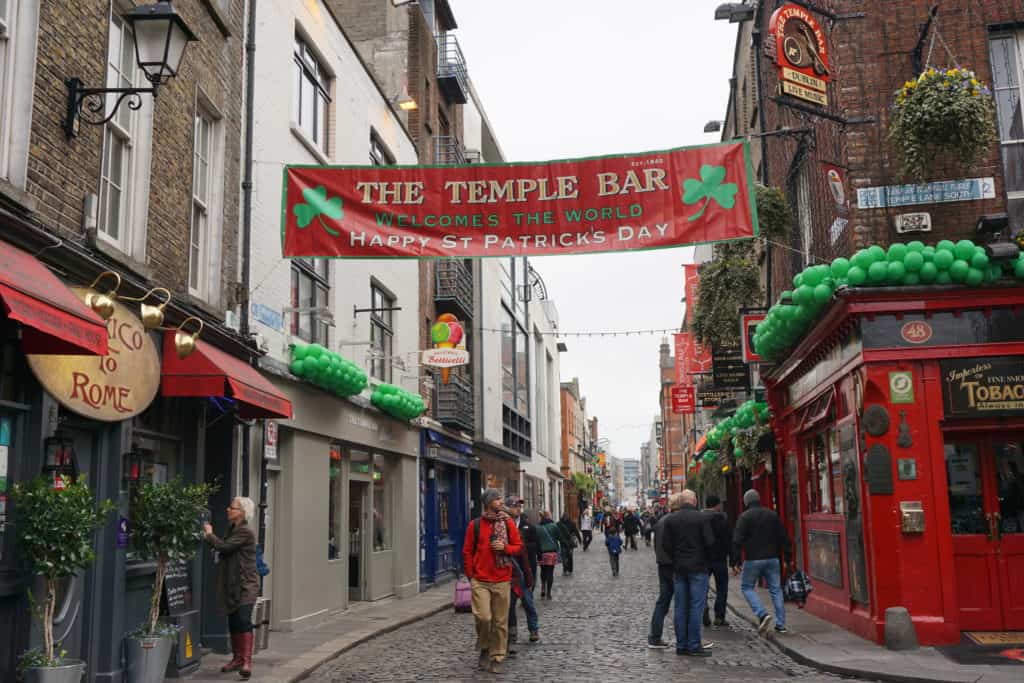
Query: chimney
665	359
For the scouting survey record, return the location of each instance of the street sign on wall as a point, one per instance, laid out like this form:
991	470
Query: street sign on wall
684	400
688	195
728	368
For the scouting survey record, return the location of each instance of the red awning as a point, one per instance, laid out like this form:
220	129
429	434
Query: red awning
208	371
55	320
700	444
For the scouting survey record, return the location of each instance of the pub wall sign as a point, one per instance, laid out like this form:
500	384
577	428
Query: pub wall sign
983	387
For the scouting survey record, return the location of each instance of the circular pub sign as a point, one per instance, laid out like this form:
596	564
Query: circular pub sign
108	388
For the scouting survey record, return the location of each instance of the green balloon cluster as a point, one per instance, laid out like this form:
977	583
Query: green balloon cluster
327	370
398	402
902	265
747	415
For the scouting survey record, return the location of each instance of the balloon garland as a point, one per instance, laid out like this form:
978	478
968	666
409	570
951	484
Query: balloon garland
906	265
734	439
398	402
327	370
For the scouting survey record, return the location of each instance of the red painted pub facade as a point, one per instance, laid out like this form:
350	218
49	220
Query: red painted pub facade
899	464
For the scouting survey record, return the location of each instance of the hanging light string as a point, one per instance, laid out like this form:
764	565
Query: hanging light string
589	334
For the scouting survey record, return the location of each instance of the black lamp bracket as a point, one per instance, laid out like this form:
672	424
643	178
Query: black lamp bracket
89	104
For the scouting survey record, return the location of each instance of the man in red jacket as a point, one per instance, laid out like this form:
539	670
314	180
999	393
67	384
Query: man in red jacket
491	541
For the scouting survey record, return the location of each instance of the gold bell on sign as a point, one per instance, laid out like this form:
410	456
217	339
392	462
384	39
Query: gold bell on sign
185	342
153	315
103	304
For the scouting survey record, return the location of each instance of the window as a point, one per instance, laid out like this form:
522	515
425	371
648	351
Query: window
1007	54
310	287
206	188
382	333
541	371
18	30
312	95
383	473
824	473
334	504
379	154
157	464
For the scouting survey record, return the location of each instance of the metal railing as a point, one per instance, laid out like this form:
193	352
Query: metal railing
448	150
453	285
454	402
451	68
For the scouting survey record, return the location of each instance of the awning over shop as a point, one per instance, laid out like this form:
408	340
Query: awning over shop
450	451
208	371
55	320
699	447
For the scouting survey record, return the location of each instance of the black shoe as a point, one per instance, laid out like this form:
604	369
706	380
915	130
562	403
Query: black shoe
657	644
765	624
781	629
694	653
721	622
512	653
707	617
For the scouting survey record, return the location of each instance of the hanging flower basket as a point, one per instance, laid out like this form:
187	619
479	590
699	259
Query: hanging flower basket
941	115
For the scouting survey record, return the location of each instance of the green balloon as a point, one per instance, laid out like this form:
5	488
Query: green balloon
897	252
979	260
856	276
798	280
1018	269
877	253
315	350
964	250
944	259
975	277
913	261
298	367
928	253
299	352
803	295
995	272
323	363
812	277
958	271
945	245
943	278
916	245
822	294
911	279
863	260
878	272
840	267
896	271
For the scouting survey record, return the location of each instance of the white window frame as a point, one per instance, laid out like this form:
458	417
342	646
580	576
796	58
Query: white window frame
307	63
1017	39
19	28
135	130
208	267
382	332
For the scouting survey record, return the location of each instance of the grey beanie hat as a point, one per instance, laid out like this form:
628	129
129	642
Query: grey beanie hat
751	497
490	495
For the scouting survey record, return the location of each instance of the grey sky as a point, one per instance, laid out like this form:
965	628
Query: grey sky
572	78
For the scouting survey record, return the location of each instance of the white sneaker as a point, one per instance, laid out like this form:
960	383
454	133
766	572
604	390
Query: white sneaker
765	624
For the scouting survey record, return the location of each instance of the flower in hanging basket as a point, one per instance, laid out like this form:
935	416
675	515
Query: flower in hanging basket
939	115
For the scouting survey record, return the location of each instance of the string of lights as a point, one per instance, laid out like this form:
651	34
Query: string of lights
591	333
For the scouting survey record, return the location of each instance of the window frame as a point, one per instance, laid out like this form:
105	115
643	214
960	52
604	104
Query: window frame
312	67
208	265
382	332
380	155
1016	40
318	272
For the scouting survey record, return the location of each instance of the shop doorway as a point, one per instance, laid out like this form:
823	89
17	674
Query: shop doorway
359	530
985	476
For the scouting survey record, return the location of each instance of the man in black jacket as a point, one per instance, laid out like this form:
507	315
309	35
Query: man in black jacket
688	541
718	558
762	538
666	582
528	532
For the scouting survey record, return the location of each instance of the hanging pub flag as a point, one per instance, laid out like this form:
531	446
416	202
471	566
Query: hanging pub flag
689	195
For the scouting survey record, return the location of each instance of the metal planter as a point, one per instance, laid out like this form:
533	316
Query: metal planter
71	671
147	658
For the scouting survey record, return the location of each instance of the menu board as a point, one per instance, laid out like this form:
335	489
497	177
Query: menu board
178	588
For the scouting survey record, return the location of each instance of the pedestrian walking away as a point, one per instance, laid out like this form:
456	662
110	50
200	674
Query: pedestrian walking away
647	527
522	584
491	541
572	540
599	520
614	544
760	539
528	532
587	528
718	559
238	582
688	541
549	557
666	579
631	525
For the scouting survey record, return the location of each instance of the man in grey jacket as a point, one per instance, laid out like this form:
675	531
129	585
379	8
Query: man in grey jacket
760	539
666	582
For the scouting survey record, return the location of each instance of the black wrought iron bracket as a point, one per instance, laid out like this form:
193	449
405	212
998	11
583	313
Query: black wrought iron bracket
89	104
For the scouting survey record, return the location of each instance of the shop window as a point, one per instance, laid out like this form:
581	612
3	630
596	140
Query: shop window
512	487
1007	58
819	489
1009	460
12	373
442	513
837	472
966	502
383	489
334	504
157	464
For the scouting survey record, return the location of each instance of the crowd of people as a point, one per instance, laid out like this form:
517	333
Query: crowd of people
503	552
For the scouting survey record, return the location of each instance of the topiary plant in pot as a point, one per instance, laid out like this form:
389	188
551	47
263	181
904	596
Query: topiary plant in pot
54	531
165	528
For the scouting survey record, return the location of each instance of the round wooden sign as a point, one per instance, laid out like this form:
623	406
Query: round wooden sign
109	388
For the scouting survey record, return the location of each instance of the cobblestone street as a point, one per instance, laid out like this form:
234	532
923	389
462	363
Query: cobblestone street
595	628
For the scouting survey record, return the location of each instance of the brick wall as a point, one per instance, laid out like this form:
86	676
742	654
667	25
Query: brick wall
872	57
61	172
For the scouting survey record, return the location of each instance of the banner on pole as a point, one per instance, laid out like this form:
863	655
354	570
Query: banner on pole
689	195
684	401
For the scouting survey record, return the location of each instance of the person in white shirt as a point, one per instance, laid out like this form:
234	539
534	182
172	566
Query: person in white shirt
587	527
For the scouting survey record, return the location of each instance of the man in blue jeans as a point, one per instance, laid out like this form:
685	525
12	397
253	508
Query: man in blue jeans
761	538
666	578
688	541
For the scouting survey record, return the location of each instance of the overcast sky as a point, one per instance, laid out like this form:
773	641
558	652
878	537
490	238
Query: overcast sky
573	78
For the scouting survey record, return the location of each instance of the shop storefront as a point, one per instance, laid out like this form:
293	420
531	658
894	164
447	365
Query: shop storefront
344	507
900	459
445	466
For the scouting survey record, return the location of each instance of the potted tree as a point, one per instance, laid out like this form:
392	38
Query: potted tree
56	519
165	529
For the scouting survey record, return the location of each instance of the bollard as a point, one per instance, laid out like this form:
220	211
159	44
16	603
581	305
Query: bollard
899	630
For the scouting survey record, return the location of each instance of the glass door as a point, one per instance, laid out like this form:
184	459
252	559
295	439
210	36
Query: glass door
1008	527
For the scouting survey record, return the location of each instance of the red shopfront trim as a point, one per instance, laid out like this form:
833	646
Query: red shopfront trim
208	371
54	320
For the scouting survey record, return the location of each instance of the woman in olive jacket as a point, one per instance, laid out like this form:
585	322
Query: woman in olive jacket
238	582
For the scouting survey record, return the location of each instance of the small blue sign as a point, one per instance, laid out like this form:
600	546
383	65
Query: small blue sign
122	533
268	316
966	190
5	431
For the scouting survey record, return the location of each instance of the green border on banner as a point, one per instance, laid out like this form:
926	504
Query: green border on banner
751	194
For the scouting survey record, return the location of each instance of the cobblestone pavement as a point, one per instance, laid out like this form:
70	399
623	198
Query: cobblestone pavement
594	629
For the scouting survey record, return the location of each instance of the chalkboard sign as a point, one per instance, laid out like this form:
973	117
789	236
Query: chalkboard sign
178	588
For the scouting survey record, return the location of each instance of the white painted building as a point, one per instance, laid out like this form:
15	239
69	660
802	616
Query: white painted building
542	482
343	521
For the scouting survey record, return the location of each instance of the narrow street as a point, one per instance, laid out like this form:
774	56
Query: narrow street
594	629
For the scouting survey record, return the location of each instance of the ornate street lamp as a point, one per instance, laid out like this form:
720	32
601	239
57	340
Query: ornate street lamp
160	39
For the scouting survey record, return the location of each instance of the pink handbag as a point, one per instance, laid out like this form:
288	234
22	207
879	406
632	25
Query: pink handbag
463	595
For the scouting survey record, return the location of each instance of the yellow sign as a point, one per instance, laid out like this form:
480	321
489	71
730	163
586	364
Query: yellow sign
803	79
108	388
797	90
188	645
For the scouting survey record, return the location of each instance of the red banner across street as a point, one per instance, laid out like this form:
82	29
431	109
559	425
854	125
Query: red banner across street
614	203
